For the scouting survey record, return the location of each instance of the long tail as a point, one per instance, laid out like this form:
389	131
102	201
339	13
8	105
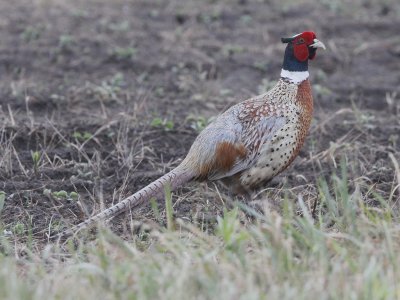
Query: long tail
175	178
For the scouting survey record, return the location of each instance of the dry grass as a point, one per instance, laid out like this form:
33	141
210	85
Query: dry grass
343	249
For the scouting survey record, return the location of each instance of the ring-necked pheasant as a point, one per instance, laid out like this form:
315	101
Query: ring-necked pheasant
249	143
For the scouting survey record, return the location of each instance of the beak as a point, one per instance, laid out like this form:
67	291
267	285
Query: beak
318	44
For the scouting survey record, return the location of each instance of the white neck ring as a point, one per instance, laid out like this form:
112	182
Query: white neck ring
295	77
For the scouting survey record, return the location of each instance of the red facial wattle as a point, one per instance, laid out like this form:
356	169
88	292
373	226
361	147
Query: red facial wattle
301	43
301	52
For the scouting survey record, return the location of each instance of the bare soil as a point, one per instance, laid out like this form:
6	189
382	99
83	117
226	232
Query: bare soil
109	95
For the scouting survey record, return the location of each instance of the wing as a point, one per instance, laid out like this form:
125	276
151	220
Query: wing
233	141
255	132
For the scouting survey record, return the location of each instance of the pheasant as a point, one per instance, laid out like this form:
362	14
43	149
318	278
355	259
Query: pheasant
248	144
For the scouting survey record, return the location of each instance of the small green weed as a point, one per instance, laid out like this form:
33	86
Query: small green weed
164	123
65	41
61	194
124	53
168	208
198	123
19	229
31	33
2	200
123	26
229	50
36	160
82	136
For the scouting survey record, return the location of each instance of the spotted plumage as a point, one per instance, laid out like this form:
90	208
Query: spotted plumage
251	142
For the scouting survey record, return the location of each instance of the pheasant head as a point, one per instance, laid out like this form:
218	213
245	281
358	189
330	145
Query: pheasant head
300	48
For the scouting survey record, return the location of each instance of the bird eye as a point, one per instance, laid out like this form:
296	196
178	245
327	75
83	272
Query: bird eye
301	40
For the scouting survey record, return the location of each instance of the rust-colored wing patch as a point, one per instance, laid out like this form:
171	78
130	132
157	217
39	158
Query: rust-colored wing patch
226	155
224	158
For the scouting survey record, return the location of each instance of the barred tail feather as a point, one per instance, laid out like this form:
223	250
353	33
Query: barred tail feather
175	178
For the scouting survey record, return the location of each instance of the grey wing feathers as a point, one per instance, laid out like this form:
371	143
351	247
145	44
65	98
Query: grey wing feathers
225	128
255	133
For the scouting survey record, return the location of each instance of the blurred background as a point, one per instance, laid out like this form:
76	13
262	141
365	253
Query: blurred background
206	53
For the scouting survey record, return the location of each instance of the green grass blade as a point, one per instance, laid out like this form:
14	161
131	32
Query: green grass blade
168	207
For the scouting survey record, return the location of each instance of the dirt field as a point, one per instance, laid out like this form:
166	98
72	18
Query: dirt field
99	98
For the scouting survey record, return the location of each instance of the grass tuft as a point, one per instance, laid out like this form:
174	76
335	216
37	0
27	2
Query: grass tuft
346	249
